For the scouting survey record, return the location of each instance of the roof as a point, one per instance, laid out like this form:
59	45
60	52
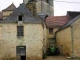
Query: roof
68	23
42	16
27	15
56	21
1	15
10	8
73	14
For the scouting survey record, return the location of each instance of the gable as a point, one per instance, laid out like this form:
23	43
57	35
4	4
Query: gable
10	8
27	15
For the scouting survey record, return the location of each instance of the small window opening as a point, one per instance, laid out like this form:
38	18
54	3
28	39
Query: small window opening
20	17
50	30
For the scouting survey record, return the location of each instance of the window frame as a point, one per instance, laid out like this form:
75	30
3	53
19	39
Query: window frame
50	30
20	30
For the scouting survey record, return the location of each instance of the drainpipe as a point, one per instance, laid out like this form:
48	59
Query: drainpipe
72	32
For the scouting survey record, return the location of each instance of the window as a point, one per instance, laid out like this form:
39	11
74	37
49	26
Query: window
20	18
21	50
20	31
50	30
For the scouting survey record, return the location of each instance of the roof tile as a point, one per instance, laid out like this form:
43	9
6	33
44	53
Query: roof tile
25	12
56	21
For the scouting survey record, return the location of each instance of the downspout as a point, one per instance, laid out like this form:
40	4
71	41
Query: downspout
72	41
55	37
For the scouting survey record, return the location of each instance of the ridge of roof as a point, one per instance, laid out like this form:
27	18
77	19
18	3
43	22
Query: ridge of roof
26	13
10	8
68	23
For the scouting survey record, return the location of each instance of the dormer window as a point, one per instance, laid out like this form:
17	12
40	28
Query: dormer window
20	17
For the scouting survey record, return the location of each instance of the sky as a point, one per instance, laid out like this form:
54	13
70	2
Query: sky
60	8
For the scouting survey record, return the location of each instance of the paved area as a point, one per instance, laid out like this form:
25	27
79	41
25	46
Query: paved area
58	58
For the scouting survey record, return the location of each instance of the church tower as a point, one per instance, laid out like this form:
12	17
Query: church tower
25	1
42	6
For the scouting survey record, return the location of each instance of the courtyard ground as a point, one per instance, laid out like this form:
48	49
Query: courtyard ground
59	58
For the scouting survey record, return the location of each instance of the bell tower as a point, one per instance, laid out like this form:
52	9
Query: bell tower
41	6
25	1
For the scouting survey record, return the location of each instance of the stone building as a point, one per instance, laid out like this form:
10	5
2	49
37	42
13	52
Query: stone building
42	6
22	36
72	14
68	38
1	15
53	23
8	10
28	31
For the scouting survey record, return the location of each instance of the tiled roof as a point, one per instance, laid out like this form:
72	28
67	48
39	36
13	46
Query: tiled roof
68	23
27	16
56	21
73	14
10	8
1	14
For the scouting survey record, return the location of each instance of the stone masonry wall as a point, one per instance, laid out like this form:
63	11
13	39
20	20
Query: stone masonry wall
76	38
43	7
64	41
32	39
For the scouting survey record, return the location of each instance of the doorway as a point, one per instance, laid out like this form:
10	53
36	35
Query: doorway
23	57
21	52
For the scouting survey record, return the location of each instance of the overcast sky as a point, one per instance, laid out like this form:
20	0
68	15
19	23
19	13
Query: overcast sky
60	8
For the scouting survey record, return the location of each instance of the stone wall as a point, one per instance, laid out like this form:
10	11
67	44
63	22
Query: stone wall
51	35
32	39
43	7
64	41
76	38
25	1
